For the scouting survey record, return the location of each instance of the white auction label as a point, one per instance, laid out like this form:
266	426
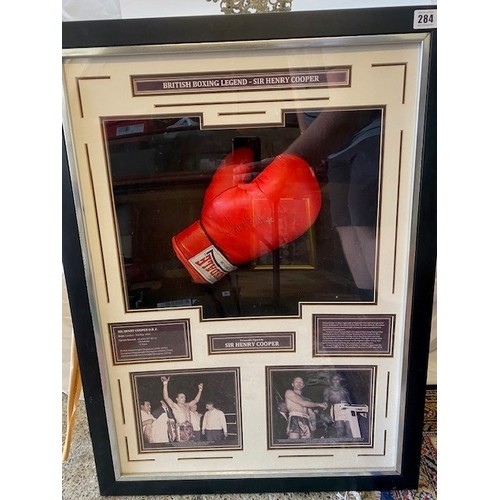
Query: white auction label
423	19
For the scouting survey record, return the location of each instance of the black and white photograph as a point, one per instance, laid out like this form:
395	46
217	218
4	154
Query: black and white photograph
186	410
324	406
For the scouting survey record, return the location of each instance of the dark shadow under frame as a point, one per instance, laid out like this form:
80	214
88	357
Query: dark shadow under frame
377	21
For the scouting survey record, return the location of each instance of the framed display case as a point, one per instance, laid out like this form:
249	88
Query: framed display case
249	246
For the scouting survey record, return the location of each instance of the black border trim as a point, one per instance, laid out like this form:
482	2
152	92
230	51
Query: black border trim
115	33
176	30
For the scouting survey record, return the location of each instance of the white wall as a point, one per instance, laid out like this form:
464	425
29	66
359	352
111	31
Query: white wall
75	10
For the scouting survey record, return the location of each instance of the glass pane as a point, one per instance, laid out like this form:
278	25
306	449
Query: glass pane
161	169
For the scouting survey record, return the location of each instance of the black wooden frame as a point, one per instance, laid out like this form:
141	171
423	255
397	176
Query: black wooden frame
397	20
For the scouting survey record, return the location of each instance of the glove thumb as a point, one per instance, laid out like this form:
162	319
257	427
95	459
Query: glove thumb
232	171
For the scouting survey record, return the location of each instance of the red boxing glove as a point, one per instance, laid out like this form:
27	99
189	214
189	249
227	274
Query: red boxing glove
241	222
234	170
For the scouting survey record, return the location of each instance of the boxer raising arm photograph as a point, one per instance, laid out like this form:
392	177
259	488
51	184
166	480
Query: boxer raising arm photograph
181	410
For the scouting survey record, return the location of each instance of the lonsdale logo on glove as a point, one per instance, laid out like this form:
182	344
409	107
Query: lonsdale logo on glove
211	264
241	221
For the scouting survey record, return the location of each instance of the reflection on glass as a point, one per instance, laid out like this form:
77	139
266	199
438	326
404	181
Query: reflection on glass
162	172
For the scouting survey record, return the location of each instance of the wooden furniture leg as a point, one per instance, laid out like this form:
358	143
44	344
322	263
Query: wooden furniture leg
75	388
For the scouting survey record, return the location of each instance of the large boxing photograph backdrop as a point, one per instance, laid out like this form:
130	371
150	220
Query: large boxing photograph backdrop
267	220
246	263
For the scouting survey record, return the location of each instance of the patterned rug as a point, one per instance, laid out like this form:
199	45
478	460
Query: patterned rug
427	487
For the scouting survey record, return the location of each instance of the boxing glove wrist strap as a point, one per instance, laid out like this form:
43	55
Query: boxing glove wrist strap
204	262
